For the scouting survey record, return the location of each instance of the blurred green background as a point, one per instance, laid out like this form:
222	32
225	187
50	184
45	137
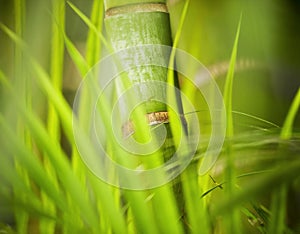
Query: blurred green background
268	67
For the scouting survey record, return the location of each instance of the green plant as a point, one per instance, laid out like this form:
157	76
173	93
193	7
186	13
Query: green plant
47	187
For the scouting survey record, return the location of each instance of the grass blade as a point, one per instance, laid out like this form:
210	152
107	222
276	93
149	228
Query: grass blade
279	197
54	152
53	122
91	26
287	130
76	57
232	221
93	47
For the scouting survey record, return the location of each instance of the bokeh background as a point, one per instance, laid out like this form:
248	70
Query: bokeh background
268	67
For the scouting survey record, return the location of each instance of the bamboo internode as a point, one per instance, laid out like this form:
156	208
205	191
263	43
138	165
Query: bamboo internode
137	23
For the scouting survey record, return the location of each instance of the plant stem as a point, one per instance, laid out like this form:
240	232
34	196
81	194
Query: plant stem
136	23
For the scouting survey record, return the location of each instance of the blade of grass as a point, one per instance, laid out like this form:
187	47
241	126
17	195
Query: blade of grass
93	52
93	47
91	26
229	83
232	221
279	197
76	57
21	83
70	181
9	176
256	118
31	205
43	80
278	210
261	186
53	123
219	185
66	117
92	56
287	131
30	162
195	208
58	160
171	79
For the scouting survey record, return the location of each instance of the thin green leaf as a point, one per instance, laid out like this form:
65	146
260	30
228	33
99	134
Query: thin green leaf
261	186
229	83
58	158
87	21
279	196
171	95
29	161
286	131
43	79
53	122
93	47
76	56
232	221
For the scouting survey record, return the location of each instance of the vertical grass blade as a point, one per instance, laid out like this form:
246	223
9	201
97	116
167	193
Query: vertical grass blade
59	160
21	84
90	24
232	221
93	47
194	213
277	222
229	83
287	128
53	122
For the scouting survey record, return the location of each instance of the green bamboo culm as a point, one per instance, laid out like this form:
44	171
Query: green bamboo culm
131	23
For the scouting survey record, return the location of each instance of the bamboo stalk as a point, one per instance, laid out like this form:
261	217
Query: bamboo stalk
131	23
143	23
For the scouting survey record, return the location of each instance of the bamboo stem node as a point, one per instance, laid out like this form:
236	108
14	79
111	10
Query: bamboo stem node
136	8
153	119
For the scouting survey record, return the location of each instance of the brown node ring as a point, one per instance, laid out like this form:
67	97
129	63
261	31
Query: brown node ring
141	7
153	119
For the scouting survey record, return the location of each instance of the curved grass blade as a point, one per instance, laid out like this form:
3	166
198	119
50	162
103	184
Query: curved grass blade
87	21
93	47
287	128
58	160
66	117
261	186
76	57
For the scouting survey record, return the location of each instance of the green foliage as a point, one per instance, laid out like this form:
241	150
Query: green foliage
47	189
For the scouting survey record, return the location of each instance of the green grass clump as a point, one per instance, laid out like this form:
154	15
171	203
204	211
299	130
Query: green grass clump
46	187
